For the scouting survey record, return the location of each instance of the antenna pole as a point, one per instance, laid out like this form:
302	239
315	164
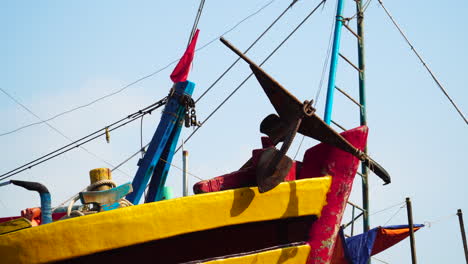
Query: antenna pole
334	62
462	230
184	172
409	210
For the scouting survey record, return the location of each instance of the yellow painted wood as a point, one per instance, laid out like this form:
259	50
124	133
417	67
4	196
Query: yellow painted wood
14	225
142	223
289	255
99	174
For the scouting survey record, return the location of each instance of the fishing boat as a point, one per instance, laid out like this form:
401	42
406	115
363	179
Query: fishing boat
273	209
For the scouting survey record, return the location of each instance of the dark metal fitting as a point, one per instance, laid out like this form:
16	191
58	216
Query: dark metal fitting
307	108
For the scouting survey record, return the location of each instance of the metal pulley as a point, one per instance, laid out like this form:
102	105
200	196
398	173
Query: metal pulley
190	118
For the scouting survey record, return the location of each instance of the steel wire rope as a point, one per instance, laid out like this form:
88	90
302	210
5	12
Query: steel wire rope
399	209
125	87
387	208
146	108
77	143
322	77
423	63
438	220
245	52
366	5
59	132
58	153
364	8
235	90
73	197
197	19
141	78
179	168
382	261
250	75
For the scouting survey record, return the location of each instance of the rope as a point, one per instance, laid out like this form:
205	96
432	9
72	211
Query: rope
136	153
140	79
403	206
298	148
85	209
388	208
83	140
250	75
129	158
380	260
191	174
68	200
322	77
245	52
364	8
424	63
94	186
197	19
438	220
58	131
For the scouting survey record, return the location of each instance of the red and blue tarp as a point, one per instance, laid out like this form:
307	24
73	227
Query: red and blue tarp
358	249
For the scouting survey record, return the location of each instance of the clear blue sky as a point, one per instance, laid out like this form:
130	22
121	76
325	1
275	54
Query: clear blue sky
57	55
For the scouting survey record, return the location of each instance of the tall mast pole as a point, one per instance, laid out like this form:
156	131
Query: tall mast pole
334	62
362	102
409	211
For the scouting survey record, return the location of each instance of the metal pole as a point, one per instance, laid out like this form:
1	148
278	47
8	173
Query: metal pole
184	172
352	223
334	62
462	230
409	210
363	116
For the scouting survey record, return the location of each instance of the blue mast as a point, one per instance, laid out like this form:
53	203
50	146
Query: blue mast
155	164
334	62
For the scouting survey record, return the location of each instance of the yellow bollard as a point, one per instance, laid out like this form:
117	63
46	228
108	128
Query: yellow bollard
100	174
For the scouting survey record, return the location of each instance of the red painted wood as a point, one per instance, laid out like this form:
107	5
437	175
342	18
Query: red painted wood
326	160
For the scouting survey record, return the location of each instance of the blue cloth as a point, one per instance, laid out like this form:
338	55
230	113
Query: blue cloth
360	246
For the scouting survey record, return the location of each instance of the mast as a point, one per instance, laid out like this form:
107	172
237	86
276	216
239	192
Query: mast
363	116
362	94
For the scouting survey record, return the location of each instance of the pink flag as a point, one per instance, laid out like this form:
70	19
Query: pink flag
182	69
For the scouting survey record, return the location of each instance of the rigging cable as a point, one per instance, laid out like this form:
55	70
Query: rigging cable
141	78
73	197
388	208
382	261
364	8
245	52
401	207
197	19
84	140
322	77
438	220
250	75
58	131
224	73
423	63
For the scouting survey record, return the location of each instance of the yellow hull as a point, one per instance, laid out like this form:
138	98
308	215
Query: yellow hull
134	225
288	255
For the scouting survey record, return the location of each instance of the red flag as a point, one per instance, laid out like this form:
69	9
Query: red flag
182	69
